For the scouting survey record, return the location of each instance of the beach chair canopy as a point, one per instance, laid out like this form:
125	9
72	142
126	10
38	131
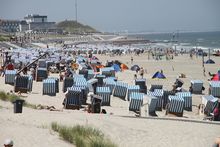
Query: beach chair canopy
135	68
158	75
116	67
124	67
210	61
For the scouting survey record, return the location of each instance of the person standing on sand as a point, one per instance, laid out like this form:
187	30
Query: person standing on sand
204	72
142	72
132	60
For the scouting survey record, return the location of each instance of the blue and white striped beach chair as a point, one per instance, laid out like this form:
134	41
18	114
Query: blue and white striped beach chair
84	93
72	98
187	96
21	84
210	102
78	76
10	76
214	88
176	105
196	86
142	84
41	74
42	63
105	93
57	83
111	84
120	90
155	87
49	87
67	82
159	94
136	101
132	88
152	105
110	79
91	74
166	94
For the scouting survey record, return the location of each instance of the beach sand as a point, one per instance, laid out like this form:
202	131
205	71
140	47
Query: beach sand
32	127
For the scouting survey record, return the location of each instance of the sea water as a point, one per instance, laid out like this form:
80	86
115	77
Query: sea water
185	40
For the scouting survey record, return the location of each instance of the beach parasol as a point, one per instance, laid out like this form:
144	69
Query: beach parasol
135	68
210	61
158	75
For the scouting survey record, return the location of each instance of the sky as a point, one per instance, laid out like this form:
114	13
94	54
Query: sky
123	15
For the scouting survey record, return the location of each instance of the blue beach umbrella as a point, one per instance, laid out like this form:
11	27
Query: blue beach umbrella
158	75
210	61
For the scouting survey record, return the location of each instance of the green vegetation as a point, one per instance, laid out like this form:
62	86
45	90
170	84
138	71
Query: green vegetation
75	27
4	37
12	97
82	136
8	97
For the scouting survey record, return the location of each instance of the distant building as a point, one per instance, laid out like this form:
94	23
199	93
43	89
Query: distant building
31	22
35	18
36	23
9	25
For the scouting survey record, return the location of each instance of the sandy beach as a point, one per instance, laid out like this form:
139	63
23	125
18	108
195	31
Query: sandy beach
32	127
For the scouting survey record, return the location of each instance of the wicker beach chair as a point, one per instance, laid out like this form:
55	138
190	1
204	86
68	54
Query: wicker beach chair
210	102
49	87
105	93
120	90
72	98
109	82
187	96
158	93
142	84
175	106
136	101
196	86
214	88
149	108
21	84
132	88
67	82
155	87
10	76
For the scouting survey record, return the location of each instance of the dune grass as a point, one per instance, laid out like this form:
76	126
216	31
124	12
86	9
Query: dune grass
12	97
82	136
8	97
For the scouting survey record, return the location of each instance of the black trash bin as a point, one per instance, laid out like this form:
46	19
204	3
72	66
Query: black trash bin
96	103
18	104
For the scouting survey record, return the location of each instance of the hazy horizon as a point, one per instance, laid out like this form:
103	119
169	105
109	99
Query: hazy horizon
123	15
